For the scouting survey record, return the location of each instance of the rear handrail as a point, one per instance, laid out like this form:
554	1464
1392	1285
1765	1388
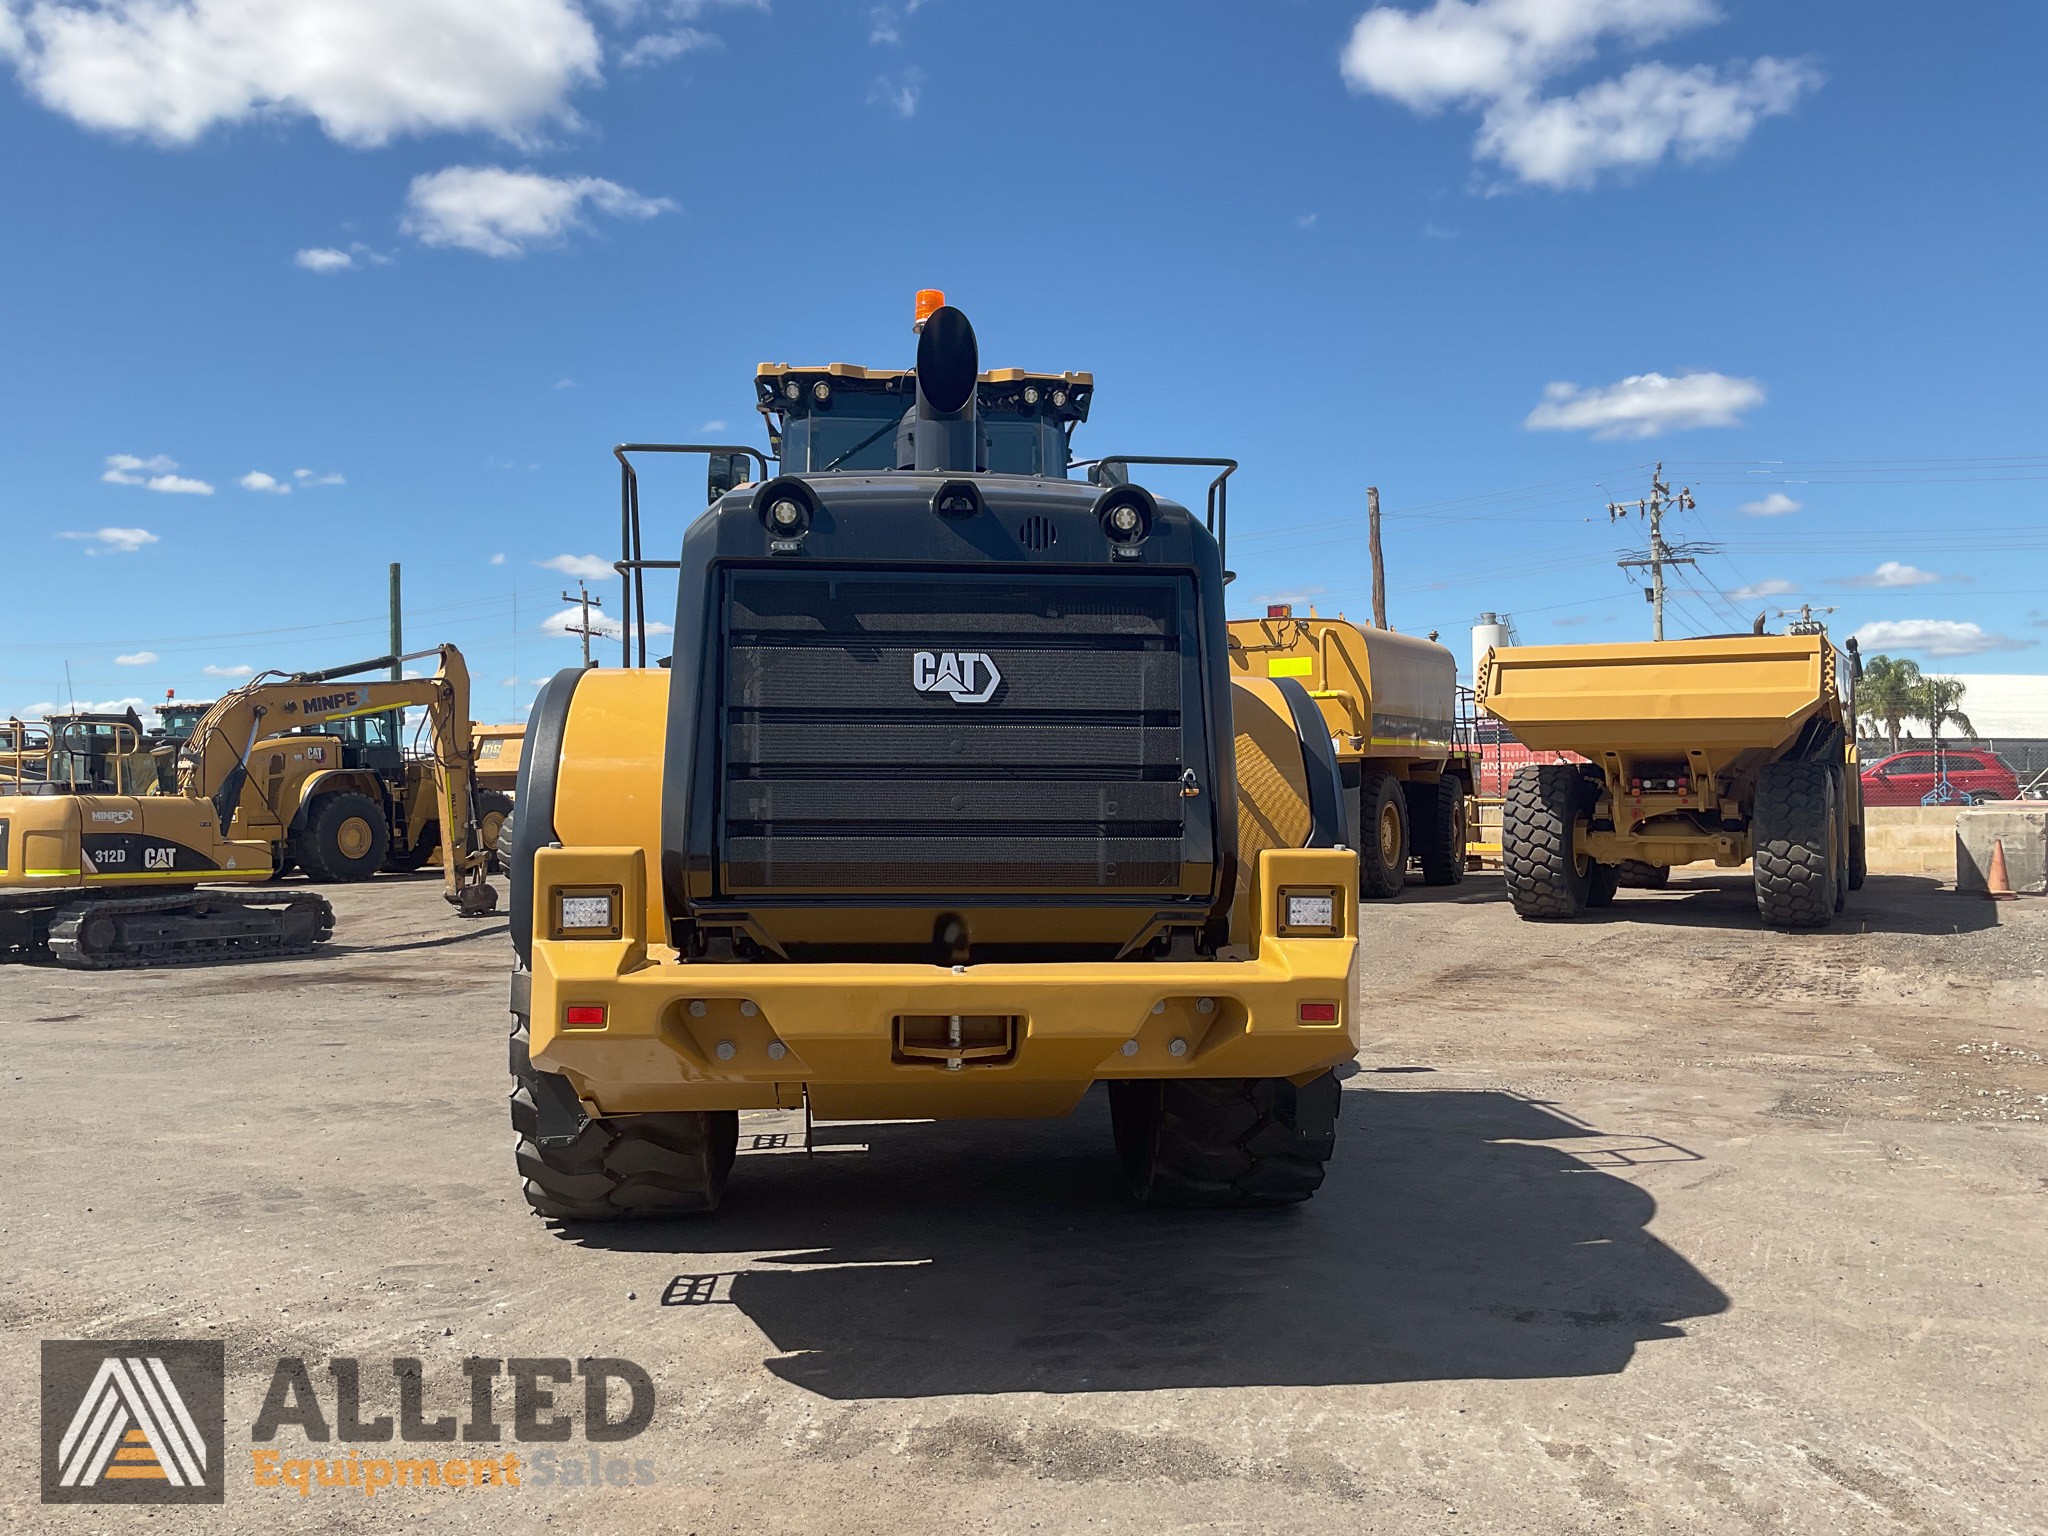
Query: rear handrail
630	565
1216	515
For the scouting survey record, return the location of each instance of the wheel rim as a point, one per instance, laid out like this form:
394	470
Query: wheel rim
489	828
1390	834
353	838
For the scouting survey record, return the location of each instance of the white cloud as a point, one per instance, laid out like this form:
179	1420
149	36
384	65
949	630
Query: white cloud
1494	57
179	485
256	480
660	47
1934	637
122	541
127	469
325	259
235	671
1305	221
589	567
77	707
500	213
136	659
899	94
1633	122
1774	586
1645	404
1893	574
497	559
565	383
365	70
713	426
1777	504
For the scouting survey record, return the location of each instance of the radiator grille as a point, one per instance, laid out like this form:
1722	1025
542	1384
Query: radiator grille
953	735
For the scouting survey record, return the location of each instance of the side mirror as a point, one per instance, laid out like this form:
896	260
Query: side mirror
726	470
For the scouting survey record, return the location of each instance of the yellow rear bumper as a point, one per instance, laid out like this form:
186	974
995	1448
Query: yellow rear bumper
679	1036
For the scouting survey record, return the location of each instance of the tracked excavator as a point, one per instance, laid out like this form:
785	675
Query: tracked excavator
100	870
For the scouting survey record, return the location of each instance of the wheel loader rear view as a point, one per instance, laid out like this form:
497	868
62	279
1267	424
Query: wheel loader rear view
935	812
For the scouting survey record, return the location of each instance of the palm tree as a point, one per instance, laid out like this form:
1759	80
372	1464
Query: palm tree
1888	693
1938	700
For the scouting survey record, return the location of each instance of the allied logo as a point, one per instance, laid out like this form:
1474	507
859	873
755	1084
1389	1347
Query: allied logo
133	1422
966	677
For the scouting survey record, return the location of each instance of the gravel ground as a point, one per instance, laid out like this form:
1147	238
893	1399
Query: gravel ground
1654	1222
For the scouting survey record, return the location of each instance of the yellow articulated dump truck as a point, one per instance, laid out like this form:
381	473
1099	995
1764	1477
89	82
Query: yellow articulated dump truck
1388	701
1731	748
936	812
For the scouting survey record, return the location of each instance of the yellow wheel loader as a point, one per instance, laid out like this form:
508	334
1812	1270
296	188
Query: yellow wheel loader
98	875
1389	701
313	763
945	806
1732	748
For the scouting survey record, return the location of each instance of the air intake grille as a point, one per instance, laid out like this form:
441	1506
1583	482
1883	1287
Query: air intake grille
953	735
1038	533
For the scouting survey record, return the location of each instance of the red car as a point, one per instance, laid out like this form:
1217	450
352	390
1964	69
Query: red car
1975	774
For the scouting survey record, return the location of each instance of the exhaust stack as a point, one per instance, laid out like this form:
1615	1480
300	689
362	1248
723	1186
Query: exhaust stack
946	428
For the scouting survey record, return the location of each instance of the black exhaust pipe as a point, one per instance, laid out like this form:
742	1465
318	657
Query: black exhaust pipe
946	430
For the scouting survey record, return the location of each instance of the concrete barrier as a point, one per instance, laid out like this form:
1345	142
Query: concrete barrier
1898	839
2022	825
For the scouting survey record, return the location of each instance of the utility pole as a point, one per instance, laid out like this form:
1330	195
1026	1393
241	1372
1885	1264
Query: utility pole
1379	568
588	602
397	629
1654	506
1803	619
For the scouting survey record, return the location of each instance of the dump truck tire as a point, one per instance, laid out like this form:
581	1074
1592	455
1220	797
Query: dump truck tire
1229	1141
617	1168
1859	858
1797	853
1436	819
345	839
1384	837
1545	876
1638	876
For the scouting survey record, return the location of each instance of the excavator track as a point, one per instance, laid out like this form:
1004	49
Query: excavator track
190	928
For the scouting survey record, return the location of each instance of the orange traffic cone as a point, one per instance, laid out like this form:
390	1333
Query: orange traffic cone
1999	886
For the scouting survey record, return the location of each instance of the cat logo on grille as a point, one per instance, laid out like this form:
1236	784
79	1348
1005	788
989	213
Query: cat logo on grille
966	677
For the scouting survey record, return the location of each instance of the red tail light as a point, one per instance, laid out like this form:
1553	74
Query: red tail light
1317	1013
585	1017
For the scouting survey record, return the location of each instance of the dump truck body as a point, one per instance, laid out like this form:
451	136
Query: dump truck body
1389	701
934	813
498	750
1682	740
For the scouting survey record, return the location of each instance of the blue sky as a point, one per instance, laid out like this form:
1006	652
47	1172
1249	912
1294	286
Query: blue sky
421	262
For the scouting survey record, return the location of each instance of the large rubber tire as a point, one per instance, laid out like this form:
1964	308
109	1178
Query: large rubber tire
1797	857
493	810
405	861
622	1167
1546	876
1227	1141
1638	876
1383	834
345	840
1436	819
1859	856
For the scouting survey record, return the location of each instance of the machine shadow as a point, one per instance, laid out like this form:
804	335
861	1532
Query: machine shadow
1886	904
982	1257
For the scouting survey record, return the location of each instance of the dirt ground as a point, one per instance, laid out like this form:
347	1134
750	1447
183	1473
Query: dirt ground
1655	1222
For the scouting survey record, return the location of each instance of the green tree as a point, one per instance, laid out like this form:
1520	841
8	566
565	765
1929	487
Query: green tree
1938	701
1889	693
